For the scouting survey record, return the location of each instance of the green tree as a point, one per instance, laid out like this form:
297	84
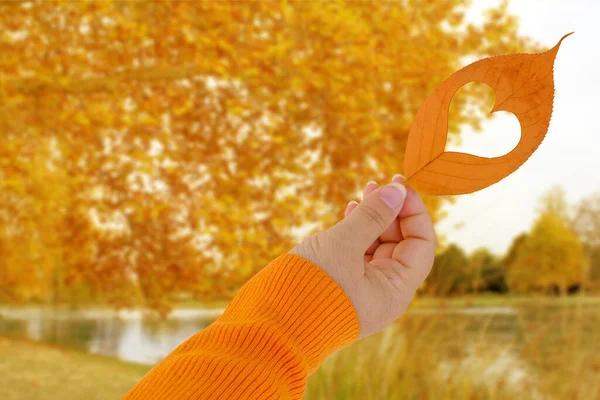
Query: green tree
450	273
489	273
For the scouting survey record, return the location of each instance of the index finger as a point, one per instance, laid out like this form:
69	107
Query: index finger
416	251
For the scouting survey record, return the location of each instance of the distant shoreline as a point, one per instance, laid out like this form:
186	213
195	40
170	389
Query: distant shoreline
194	309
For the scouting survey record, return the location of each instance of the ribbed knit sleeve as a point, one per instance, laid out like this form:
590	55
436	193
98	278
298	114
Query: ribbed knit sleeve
282	324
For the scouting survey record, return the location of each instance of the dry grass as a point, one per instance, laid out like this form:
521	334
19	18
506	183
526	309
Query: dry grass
41	372
551	355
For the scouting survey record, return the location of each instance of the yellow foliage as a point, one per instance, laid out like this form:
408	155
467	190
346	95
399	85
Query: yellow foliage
130	105
550	257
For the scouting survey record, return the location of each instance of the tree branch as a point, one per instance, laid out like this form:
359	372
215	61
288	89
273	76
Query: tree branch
77	85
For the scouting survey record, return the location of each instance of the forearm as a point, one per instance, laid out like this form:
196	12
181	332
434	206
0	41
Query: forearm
276	331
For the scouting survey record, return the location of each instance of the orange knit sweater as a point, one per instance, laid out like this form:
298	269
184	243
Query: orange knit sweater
282	324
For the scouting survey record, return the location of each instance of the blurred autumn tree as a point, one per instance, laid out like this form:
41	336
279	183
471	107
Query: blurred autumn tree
554	202
550	257
489	273
450	273
178	146
511	254
586	223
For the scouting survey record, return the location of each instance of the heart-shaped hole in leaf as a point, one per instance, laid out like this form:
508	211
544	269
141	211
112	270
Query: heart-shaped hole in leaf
492	137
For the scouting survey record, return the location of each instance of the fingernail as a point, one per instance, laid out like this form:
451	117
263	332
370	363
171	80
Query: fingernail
397	176
371	183
351	202
393	195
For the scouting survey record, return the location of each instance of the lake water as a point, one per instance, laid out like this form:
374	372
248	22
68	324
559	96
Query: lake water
128	334
131	336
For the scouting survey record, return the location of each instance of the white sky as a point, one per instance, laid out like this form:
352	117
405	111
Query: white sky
569	155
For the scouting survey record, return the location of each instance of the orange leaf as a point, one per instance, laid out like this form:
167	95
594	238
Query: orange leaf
523	84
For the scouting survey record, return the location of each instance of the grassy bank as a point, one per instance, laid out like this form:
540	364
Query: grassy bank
41	372
494	300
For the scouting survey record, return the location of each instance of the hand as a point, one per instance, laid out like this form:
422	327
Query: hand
379	254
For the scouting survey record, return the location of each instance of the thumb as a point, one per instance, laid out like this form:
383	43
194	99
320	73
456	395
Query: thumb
371	217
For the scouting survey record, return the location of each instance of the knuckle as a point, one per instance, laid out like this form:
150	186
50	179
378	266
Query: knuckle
373	215
311	247
307	248
319	249
315	244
